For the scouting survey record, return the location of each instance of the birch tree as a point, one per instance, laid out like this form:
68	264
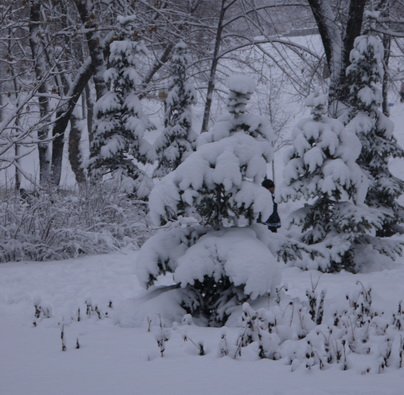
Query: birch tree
338	38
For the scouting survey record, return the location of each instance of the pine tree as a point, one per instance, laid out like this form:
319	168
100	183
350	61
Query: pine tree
216	255
120	123
219	181
374	129
178	139
320	168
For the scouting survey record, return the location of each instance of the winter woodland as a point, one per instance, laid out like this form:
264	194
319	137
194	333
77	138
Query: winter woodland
135	139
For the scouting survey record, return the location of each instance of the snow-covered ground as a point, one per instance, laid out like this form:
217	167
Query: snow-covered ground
116	359
123	360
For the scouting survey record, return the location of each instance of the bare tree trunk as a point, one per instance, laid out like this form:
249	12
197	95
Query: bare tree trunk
385	83
63	116
17	148
338	42
90	114
40	67
352	30
93	67
96	51
384	7
3	77
84	103
155	68
95	47
213	67
17	175
75	151
327	28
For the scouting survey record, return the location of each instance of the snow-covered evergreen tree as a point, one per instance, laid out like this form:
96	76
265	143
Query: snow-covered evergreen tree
321	168
178	139
220	181
120	123
216	255
374	129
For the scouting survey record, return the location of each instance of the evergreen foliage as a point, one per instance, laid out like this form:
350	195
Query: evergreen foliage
178	139
320	168
120	123
374	130
220	182
221	263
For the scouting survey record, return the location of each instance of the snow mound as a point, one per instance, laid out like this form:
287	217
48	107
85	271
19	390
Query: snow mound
233	253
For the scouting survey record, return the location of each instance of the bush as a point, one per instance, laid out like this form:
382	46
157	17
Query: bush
64	224
216	270
219	188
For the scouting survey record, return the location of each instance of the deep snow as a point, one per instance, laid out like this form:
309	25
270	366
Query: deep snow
125	360
122	360
114	359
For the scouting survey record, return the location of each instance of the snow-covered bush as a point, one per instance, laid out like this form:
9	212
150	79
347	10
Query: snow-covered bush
66	224
321	168
355	336
375	131
177	139
221	262
221	181
120	125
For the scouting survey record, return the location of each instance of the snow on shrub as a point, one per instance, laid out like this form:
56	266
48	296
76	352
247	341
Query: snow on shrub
375	130
219	185
235	253
159	255
177	139
355	336
321	168
119	142
220	182
59	225
312	333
